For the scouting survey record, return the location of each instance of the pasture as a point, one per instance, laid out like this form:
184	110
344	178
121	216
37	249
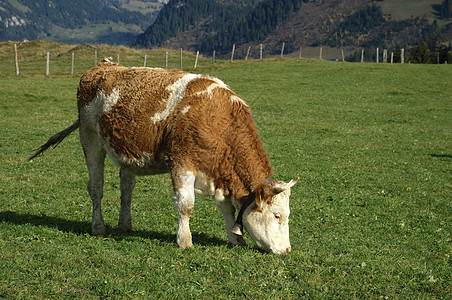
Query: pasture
370	218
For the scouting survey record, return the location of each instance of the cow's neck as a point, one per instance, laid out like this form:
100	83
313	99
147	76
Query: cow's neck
250	174
249	162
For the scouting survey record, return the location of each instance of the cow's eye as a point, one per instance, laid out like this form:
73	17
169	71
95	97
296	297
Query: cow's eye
277	217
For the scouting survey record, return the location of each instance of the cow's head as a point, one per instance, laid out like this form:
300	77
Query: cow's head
267	221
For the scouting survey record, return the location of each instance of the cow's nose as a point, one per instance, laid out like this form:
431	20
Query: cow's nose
288	249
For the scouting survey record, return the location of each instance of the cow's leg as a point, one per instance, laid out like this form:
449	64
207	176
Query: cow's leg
95	157
228	211
184	193
127	184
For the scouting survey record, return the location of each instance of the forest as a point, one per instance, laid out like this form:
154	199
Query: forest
354	26
254	27
172	21
223	26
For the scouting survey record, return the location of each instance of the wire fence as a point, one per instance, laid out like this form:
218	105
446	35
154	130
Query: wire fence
77	59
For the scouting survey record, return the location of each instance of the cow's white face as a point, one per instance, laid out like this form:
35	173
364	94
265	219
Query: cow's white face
267	222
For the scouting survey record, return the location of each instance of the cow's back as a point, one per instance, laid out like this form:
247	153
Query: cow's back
144	114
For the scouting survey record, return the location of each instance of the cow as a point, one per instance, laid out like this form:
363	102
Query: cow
151	121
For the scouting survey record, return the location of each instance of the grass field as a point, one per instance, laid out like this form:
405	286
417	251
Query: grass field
405	9
371	215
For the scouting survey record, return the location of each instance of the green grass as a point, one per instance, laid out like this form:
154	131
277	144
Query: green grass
371	215
142	6
405	9
111	33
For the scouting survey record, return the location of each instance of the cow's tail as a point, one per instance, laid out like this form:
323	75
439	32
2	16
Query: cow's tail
55	140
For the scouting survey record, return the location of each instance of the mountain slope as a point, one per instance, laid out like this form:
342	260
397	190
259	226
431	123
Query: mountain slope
351	24
193	18
215	24
33	19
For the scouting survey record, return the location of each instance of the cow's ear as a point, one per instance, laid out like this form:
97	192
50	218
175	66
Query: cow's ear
281	186
264	194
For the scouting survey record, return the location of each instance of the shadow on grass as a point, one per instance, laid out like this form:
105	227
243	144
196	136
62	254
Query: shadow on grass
441	155
82	228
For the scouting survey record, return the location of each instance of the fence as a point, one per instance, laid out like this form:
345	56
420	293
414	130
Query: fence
155	57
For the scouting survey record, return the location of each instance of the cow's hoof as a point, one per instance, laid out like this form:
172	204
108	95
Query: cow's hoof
186	246
185	243
238	242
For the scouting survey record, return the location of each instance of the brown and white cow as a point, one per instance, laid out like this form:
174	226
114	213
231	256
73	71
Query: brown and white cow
151	121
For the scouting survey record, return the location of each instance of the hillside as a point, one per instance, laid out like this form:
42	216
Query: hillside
217	24
184	22
81	21
347	24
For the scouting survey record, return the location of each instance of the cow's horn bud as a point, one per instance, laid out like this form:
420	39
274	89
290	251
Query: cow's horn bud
237	229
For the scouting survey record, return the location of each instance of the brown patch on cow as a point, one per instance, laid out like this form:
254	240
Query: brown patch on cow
99	78
198	85
142	93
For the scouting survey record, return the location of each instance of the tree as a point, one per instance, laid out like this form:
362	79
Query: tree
442	54
446	9
397	53
420	54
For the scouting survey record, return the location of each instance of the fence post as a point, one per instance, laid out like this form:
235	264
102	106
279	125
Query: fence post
402	56
145	58
362	55
299	53
282	49
16	59
392	57
213	57
260	52
196	60
248	52
320	54
95	57
181	58
233	50
47	64
343	56
378	56
385	55
72	63
118	58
